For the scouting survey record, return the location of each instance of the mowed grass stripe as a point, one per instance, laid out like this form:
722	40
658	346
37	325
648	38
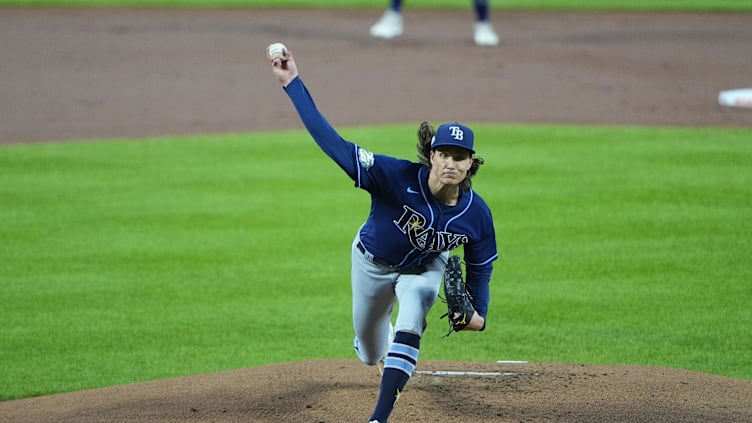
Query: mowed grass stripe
132	260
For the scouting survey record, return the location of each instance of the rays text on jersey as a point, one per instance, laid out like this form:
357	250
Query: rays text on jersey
412	224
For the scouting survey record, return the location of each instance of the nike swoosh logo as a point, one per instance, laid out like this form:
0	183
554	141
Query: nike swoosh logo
410	190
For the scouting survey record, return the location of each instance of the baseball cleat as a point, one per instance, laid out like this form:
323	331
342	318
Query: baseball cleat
485	34
389	26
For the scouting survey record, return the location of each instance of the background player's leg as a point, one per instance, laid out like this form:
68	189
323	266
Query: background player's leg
390	24
481	10
484	34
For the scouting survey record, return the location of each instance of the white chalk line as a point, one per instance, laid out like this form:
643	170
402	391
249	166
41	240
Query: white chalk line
448	373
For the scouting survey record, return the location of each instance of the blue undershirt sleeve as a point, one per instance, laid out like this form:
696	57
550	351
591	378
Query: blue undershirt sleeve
478	278
341	151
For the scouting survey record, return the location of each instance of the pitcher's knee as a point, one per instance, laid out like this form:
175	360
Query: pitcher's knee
363	354
426	292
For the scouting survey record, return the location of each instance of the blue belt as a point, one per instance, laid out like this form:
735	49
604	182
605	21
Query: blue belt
370	257
381	262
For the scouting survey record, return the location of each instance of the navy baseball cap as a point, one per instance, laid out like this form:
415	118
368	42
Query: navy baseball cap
454	134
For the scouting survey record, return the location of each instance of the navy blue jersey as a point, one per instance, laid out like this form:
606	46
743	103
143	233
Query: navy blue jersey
407	226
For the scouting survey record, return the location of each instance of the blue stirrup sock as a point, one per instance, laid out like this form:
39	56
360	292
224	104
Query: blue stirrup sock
481	10
398	367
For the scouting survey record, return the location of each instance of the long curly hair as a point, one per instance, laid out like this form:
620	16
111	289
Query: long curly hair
425	133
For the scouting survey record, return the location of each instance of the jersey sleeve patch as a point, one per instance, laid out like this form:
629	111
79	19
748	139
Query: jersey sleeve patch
365	158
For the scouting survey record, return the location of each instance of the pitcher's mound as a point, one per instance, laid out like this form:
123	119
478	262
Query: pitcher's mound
329	391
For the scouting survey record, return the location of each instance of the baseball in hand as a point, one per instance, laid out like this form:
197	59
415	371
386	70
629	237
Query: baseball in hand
275	50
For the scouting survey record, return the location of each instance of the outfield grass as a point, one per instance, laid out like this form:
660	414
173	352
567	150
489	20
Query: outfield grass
135	260
636	5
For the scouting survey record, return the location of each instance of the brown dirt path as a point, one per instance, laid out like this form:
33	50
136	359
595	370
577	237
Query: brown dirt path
76	74
80	74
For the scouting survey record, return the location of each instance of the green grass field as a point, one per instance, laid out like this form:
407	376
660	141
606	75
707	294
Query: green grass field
136	260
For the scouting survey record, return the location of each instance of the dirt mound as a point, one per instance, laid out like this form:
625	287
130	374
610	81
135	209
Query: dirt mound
345	391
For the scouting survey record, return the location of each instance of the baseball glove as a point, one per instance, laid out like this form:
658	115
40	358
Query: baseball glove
459	306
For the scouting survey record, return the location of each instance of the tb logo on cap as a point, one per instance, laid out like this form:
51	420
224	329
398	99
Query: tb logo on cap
456	133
